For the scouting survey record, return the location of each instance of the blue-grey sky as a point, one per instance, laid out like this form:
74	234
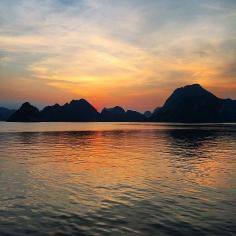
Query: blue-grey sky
131	53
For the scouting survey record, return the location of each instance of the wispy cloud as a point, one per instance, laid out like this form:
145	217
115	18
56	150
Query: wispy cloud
126	49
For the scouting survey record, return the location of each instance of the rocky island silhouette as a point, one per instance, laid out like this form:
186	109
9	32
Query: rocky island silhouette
189	104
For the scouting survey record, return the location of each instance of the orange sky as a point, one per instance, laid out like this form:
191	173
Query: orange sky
130	53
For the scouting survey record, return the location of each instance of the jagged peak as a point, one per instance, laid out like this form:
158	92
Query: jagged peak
193	86
26	104
75	101
56	105
192	89
116	109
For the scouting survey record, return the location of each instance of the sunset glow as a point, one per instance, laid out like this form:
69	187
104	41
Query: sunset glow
129	53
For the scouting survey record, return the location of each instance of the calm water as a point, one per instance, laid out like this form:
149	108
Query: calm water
117	179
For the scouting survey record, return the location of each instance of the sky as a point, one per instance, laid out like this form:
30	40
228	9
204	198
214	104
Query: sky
131	53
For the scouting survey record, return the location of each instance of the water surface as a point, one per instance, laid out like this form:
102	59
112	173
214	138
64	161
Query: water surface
117	179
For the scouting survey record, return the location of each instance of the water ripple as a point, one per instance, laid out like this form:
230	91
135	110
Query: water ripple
117	179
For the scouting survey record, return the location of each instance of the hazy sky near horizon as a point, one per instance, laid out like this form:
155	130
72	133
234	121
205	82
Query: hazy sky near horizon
128	52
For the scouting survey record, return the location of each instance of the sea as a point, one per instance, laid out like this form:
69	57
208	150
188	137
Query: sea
117	179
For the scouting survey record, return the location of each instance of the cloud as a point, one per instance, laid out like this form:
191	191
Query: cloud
133	48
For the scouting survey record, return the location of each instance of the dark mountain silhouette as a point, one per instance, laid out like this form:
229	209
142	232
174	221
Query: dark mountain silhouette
134	116
156	109
76	110
147	114
26	113
193	103
117	113
115	110
113	114
52	113
227	112
5	113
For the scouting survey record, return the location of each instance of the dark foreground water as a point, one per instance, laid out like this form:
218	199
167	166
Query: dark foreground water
117	179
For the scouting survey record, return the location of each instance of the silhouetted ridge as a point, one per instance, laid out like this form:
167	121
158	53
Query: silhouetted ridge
113	114
117	113
227	112
116	110
147	114
193	103
52	113
189	92
132	116
76	110
5	113
26	113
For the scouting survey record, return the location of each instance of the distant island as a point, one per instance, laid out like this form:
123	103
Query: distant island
5	113
189	104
